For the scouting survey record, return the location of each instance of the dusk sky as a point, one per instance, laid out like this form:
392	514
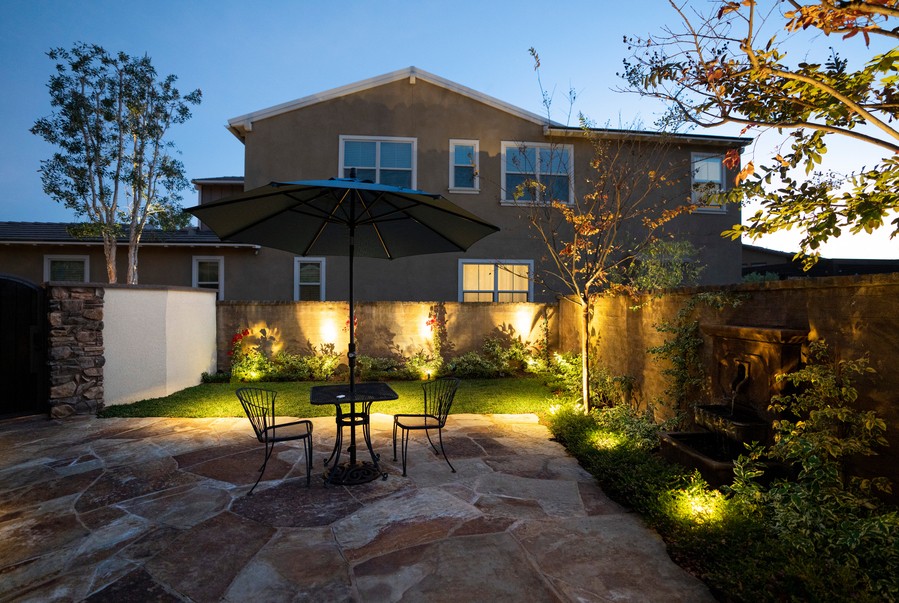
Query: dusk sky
249	56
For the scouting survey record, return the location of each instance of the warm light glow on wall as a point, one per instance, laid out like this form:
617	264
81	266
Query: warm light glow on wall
524	318
328	330
272	334
424	329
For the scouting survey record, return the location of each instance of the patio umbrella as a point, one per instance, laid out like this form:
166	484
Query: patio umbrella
344	216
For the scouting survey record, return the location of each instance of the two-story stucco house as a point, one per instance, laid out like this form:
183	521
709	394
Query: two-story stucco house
414	129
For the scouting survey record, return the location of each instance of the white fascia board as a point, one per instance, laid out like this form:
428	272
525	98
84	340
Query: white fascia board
242	124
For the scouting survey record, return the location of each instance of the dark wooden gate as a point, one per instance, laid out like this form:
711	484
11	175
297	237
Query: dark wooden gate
23	348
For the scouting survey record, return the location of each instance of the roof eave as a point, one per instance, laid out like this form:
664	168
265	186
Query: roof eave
705	139
240	126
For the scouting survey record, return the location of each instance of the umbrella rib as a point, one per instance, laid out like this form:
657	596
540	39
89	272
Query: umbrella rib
400	210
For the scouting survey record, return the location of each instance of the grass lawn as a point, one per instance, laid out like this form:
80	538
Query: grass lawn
480	396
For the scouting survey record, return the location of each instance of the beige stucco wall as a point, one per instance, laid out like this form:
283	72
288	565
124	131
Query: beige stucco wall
384	329
304	144
157	341
855	315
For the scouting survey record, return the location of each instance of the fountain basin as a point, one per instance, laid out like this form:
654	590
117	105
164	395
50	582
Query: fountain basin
740	424
702	450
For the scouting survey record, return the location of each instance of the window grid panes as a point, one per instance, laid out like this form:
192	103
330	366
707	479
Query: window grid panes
208	272
501	282
708	178
548	165
67	270
463	165
310	281
382	161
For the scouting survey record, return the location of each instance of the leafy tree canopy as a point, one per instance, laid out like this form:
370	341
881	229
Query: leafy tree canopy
746	63
113	165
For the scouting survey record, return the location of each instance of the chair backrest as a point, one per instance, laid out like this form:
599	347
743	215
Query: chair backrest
259	404
439	395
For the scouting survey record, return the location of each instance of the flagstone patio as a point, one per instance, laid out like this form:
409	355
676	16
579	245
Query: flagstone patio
154	510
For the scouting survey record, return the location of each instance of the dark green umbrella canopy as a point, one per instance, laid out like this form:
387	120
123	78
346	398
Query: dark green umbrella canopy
323	217
344	216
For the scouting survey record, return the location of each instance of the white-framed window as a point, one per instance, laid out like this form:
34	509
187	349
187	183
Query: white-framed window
463	166
67	268
550	165
496	280
308	279
707	171
209	273
381	159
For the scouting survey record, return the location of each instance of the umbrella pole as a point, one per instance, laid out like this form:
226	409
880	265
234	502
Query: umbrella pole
351	353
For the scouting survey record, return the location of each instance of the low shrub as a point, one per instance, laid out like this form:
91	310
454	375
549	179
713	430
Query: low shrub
383	368
473	366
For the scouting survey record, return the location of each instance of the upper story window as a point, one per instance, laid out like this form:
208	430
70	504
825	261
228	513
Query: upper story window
463	167
67	268
495	280
309	279
707	179
209	273
548	165
383	160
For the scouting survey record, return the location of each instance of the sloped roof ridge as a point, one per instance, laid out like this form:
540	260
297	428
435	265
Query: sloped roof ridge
243	123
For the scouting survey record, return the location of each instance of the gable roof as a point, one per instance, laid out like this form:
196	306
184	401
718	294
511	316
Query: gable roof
239	126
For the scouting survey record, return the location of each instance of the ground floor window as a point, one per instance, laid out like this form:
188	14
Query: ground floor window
309	279
209	273
67	268
495	280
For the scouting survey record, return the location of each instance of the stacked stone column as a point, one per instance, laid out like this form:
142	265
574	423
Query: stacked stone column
75	351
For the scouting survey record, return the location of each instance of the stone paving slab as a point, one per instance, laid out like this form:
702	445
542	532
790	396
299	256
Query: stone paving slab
156	510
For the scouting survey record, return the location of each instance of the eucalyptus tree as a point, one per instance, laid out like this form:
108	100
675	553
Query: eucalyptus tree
114	166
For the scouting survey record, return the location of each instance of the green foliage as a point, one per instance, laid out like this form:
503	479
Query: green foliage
832	528
472	365
793	541
760	277
682	348
708	79
564	376
667	264
383	369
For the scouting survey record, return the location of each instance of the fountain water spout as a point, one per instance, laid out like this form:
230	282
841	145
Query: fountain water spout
739	381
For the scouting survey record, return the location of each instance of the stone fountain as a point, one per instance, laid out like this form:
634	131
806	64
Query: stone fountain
744	378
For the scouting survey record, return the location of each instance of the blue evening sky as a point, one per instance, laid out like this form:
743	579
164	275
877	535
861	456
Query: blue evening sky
248	56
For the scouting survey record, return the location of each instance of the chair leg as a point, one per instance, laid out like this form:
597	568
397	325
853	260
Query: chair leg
268	452
440	433
405	446
428	433
394	438
308	447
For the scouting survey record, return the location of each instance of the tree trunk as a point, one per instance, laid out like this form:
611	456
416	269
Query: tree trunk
109	250
585	355
132	264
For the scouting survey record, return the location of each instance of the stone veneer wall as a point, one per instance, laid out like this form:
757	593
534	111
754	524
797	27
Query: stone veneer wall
75	349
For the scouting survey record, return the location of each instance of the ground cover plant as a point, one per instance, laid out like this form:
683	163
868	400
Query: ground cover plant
819	534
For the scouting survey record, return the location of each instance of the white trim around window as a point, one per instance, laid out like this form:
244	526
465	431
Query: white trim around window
552	165
65	268
464	166
201	276
706	171
312	279
378	162
496	280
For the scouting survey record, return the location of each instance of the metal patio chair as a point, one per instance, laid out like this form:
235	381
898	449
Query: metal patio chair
259	404
438	398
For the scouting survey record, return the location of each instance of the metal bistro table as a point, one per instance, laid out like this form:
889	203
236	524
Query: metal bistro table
352	471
